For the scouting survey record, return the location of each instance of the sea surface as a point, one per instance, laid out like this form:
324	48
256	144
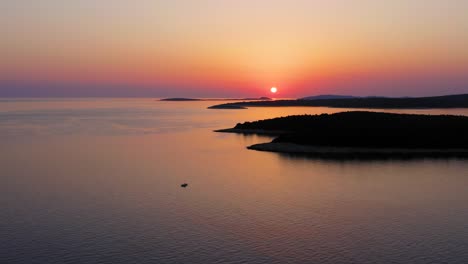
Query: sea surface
98	181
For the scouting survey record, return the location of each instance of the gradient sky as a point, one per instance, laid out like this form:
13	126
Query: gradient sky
213	48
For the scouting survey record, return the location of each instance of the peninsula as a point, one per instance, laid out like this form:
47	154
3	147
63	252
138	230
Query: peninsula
183	99
361	133
447	101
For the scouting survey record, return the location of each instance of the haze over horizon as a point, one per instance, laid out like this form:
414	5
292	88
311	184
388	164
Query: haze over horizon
233	49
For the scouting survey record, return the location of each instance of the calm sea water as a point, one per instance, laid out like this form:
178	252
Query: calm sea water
98	181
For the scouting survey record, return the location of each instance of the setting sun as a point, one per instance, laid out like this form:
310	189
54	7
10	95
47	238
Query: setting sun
273	90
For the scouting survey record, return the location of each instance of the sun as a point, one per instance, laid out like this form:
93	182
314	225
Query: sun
274	89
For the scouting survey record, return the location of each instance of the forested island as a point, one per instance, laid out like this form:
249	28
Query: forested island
447	101
363	133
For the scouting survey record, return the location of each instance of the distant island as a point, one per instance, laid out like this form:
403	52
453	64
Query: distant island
447	101
182	99
360	133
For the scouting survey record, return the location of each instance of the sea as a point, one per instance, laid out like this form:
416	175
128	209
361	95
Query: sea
97	180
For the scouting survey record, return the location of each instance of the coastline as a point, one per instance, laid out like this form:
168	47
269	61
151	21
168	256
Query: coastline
358	133
441	102
291	148
227	106
251	131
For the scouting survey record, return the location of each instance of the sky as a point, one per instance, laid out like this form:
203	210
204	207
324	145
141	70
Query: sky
213	48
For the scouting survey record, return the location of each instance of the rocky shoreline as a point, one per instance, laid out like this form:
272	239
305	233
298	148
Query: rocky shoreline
291	148
360	133
252	131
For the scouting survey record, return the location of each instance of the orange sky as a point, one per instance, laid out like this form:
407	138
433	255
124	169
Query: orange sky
242	48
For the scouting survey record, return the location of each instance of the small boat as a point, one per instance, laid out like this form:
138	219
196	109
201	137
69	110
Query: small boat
184	185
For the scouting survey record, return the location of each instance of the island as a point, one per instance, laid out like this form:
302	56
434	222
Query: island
447	101
362	133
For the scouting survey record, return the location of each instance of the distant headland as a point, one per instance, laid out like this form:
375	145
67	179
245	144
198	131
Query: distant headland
328	96
359	133
447	101
182	99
